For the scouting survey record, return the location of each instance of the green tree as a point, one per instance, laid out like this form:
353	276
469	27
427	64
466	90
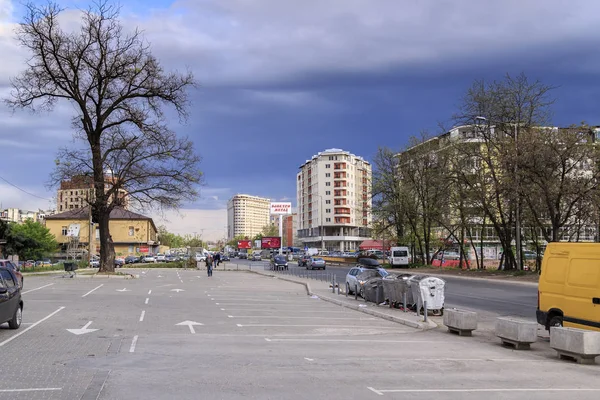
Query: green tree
32	240
170	239
270	230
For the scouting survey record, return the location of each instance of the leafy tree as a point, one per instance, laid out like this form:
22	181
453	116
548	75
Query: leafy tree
29	240
118	90
270	230
167	238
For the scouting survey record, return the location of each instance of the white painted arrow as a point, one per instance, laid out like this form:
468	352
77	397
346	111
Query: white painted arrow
160	276
177	290
83	330
123	290
190	324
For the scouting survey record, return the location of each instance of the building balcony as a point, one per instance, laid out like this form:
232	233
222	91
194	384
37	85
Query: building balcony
343	211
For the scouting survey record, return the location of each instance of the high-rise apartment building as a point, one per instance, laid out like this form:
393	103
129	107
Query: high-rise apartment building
75	193
247	215
334	200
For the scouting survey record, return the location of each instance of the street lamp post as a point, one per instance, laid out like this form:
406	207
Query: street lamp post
517	208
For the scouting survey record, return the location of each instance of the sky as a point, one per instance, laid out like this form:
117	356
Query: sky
281	80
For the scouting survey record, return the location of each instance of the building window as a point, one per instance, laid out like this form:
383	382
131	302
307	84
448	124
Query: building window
327	175
327	201
64	231
131	231
130	248
327	183
327	193
327	165
328	210
327	219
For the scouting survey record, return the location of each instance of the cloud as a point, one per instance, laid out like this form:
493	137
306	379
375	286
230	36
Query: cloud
11	197
210	224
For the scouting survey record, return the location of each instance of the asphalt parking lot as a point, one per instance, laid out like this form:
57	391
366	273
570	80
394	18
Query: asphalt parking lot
174	334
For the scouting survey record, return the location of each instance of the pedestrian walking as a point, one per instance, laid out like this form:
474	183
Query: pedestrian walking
217	259
209	264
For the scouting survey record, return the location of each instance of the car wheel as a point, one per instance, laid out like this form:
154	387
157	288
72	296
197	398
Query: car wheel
556	321
15	322
362	293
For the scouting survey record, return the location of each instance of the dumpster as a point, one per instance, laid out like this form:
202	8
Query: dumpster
394	286
428	289
373	290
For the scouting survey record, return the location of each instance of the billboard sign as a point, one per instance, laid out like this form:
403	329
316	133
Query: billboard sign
143	249
244	244
270	242
280	208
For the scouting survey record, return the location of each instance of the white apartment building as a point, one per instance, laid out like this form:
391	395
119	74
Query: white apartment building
247	215
19	216
333	191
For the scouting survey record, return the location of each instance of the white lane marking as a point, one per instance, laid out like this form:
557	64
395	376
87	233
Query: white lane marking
84	330
309	359
375	390
190	324
308	317
147	300
336	312
150	291
91	291
133	343
355	340
213	299
267	339
29	390
319	326
222	309
33	290
30	327
383	391
142	315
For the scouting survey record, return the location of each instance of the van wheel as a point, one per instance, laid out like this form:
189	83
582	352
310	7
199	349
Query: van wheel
555	321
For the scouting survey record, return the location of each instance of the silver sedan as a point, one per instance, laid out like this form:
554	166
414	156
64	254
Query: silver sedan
315	263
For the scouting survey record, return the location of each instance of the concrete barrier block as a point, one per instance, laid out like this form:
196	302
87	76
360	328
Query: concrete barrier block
580	345
461	322
516	332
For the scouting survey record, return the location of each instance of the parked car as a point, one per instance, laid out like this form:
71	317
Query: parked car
279	262
119	262
358	275
243	256
11	304
95	263
303	261
200	257
256	256
316	263
149	259
132	259
225	257
160	257
15	269
170	258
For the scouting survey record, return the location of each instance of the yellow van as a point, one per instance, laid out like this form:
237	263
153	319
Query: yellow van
569	287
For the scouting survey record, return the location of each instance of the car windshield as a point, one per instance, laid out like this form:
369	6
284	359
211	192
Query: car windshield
279	258
318	259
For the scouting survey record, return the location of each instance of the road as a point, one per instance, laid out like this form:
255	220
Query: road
494	297
175	334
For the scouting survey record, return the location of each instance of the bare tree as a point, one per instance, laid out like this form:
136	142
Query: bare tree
500	112
118	90
387	198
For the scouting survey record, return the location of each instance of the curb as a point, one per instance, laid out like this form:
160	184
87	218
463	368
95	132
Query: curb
95	276
472	278
392	318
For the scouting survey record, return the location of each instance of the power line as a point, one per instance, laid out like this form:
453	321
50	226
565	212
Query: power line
24	191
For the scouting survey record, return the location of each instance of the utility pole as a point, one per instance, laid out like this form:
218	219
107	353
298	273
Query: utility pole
90	229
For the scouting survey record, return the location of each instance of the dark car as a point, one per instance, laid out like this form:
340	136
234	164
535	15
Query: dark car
119	262
132	259
15	269
303	261
279	262
225	257
11	304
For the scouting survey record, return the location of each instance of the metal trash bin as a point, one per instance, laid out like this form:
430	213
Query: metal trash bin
428	289
70	267
373	290
395	286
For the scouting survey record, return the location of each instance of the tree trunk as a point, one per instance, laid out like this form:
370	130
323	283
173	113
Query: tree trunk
107	249
481	245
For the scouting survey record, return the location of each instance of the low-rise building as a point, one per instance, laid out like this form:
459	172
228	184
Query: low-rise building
132	233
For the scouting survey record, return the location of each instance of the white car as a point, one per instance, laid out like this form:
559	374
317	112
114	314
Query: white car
150	259
160	257
200	258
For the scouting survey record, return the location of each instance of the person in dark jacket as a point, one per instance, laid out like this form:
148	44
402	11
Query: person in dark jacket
209	265
217	259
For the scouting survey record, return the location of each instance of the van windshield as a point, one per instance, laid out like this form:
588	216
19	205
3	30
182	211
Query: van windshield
400	253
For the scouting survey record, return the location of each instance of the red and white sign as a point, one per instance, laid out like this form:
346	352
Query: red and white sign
281	208
244	244
143	249
270	242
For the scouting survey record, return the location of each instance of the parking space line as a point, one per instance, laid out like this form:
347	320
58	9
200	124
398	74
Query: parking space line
33	290
150	291
133	343
317	326
308	317
147	300
31	327
381	392
29	390
271	339
91	291
142	315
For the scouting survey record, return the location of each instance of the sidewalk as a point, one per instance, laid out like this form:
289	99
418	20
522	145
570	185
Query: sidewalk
324	292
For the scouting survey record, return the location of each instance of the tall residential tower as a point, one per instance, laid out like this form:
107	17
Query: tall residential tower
334	200
247	215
